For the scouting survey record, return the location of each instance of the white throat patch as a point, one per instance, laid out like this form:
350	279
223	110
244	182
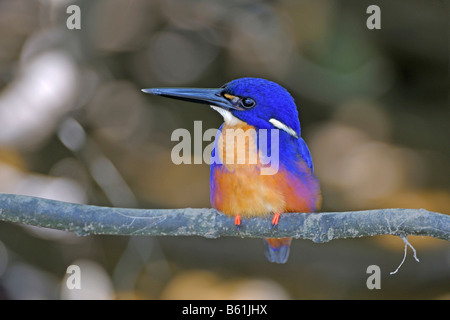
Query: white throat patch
227	116
283	127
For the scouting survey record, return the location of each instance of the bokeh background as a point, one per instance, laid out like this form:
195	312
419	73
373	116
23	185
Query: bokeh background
74	126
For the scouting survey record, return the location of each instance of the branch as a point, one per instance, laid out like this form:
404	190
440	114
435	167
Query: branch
318	227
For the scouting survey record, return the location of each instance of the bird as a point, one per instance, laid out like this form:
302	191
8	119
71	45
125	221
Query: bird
238	187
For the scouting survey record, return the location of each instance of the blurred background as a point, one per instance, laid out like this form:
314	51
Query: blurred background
74	126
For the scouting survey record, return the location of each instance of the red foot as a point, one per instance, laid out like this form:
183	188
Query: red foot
237	222
275	219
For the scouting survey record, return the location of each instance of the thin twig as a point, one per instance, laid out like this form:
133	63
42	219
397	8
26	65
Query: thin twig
407	244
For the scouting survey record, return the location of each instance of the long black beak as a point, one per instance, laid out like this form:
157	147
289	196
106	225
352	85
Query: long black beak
205	96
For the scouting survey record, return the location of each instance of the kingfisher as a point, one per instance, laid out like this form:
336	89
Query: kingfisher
256	111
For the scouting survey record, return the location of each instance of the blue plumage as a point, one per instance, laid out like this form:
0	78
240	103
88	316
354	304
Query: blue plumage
272	102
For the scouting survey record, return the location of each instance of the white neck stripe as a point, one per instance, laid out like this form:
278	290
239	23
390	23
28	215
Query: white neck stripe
283	127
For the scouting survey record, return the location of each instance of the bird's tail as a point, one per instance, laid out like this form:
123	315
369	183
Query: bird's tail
277	249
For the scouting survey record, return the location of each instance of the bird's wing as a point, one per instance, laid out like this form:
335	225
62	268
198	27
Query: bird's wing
304	152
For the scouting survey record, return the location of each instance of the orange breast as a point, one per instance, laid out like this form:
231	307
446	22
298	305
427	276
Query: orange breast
238	187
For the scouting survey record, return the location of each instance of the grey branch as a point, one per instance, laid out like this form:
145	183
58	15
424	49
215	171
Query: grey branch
210	223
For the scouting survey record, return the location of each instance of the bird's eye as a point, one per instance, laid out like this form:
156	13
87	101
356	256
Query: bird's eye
248	103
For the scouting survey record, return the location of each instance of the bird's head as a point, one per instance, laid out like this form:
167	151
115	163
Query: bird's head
258	102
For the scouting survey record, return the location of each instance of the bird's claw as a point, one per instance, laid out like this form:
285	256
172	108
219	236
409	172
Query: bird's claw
275	220
237	223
